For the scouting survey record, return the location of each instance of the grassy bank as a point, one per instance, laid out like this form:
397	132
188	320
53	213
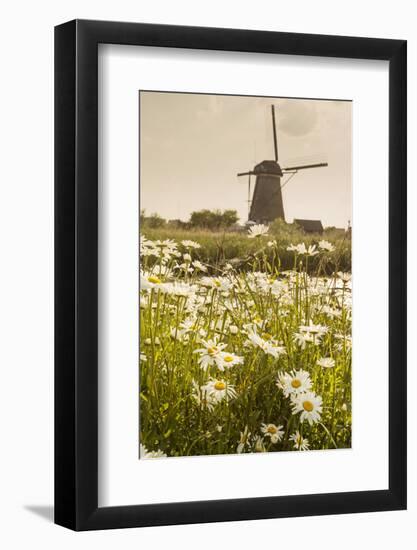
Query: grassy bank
226	246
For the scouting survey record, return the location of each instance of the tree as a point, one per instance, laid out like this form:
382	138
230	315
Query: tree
213	219
153	221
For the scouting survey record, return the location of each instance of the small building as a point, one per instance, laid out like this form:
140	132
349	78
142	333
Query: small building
310	226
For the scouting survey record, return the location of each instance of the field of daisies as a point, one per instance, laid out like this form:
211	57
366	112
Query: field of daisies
243	357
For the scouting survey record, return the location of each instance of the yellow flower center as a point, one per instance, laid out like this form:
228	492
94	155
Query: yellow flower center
266	336
308	406
296	384
154	279
228	358
212	351
217	282
219	385
271	429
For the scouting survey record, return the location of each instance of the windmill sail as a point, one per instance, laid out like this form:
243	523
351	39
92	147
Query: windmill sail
267	204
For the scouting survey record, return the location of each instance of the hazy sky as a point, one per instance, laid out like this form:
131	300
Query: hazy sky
192	147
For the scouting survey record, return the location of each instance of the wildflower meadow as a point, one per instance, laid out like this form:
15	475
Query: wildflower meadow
244	356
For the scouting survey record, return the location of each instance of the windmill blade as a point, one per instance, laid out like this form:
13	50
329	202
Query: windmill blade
274	129
245	174
304	167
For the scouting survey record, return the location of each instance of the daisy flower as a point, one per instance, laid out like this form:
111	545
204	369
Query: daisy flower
344	277
258	230
144	453
309	405
303	339
219	283
326	362
179	289
259	445
303	250
299	248
244	440
267	346
225	360
199	266
217	390
300	443
272	431
148	281
190	244
325	245
312	250
313	329
201	397
297	381
209	352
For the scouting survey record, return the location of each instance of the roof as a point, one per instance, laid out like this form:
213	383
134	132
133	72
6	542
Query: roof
268	167
310	226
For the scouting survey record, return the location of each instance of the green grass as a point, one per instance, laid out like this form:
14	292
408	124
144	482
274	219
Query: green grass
223	246
275	326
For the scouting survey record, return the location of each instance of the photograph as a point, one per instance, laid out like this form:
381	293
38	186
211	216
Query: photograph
245	274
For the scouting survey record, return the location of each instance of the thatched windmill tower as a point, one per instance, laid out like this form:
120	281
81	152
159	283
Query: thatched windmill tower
266	204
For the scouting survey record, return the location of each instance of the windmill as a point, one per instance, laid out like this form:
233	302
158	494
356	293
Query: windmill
266	204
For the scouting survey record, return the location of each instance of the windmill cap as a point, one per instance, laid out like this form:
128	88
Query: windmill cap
268	167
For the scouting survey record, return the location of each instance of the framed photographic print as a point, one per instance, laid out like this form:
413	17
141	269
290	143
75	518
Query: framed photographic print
230	247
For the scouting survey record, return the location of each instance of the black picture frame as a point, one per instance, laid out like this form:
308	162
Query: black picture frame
76	272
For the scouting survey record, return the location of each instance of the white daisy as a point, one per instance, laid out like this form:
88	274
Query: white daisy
313	329
190	244
221	284
244	440
267	346
331	312
325	245
184	267
199	266
303	339
148	281
309	405
259	445
312	250
272	431
225	360
303	250
179	334
299	248
344	277
217	390
144	453
209	352
297	381
258	230
179	289
300	442
326	362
